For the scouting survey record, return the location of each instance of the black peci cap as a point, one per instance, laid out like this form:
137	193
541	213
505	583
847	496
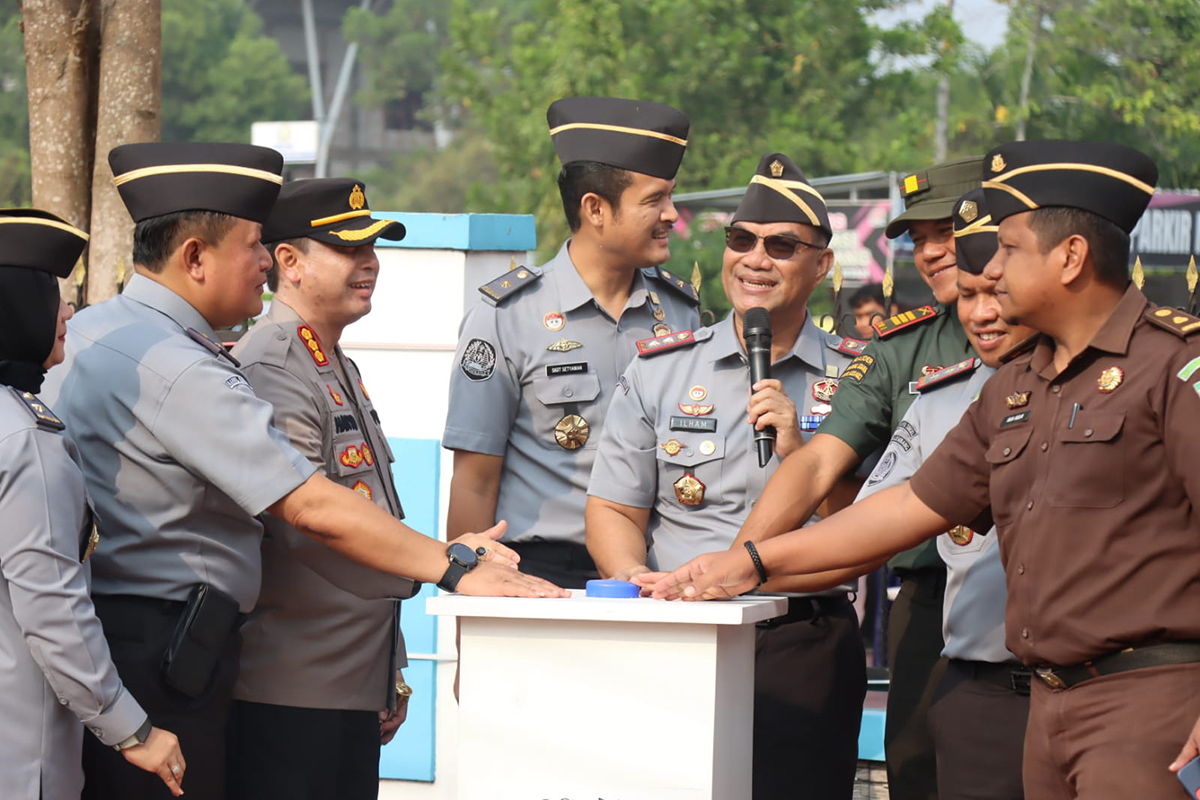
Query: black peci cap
974	232
932	193
1109	180
157	178
779	192
39	240
636	135
330	210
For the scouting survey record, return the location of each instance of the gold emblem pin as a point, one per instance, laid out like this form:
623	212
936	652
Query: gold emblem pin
1110	379
554	321
961	535
563	345
571	432
92	541
654	297
659	314
523	274
968	211
662	329
672	447
695	409
357	198
776	168
998	164
689	490
1017	399
707	447
697	393
506	285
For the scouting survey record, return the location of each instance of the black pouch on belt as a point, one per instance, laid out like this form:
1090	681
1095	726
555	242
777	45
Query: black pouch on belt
199	638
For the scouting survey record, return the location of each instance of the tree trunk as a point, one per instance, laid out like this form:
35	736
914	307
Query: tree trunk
61	49
129	101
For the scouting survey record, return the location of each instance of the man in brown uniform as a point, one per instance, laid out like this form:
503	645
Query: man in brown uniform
1081	451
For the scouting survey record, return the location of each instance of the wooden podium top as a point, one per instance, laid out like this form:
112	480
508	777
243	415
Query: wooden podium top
742	611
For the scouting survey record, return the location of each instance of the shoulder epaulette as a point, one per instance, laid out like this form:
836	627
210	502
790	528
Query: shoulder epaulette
512	281
675	282
309	337
211	346
41	412
661	344
851	347
947	374
906	319
1170	319
1021	349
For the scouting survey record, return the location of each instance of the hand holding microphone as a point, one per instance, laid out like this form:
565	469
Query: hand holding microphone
756	330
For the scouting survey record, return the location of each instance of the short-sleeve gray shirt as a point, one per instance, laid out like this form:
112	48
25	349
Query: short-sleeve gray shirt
526	363
179	454
656	435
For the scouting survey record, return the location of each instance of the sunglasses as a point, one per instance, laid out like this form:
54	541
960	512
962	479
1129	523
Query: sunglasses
740	240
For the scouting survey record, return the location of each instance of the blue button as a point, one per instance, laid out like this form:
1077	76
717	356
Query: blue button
611	588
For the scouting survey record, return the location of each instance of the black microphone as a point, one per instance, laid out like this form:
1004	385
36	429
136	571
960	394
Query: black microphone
756	330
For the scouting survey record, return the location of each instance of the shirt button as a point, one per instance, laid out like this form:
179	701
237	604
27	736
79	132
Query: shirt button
1030	506
687	452
1088	432
1056	389
1008	451
568	393
62	700
1020	569
1024	633
1044	446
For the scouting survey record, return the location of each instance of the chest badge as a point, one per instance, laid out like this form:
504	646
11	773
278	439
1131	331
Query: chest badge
363	489
672	447
337	398
564	345
689	490
708	447
823	390
961	535
661	329
554	321
659	314
695	409
367	455
697	393
351	456
571	432
1017	400
363	389
1110	379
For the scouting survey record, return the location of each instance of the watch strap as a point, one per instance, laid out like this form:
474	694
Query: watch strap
139	737
452	576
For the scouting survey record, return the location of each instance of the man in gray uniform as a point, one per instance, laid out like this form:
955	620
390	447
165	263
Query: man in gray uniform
538	359
181	458
677	468
57	674
977	719
318	686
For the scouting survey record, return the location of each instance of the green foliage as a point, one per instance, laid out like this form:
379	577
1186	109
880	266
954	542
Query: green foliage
400	47
221	73
15	189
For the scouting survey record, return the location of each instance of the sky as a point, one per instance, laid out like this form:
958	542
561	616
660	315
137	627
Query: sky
983	21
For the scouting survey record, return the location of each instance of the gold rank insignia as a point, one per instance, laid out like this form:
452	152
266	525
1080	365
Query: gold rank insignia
689	490
93	540
363	489
351	456
661	329
363	389
522	275
367	455
658	344
357	198
554	321
563	345
571	432
337	398
886	327
672	447
998	164
968	211
41	413
659	314
695	409
776	168
697	393
1110	379
506	284
961	535
1017	400
313	344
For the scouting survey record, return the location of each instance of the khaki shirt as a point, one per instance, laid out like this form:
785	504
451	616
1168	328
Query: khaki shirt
528	363
325	631
1097	515
179	454
55	668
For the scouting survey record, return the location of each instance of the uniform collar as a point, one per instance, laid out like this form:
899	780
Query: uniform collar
153	294
281	312
809	346
573	292
1113	337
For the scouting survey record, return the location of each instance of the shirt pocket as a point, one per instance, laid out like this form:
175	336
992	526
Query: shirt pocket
1010	483
558	396
352	457
706	467
1088	468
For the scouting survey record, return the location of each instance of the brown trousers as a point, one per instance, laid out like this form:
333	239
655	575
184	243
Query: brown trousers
1111	738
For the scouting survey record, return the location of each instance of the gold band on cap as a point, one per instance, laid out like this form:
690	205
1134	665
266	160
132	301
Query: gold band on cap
364	233
176	169
1071	165
52	223
596	126
1015	193
785	189
317	223
978	226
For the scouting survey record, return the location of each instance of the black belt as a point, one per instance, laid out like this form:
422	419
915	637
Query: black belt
1009	674
805	609
565	554
1154	655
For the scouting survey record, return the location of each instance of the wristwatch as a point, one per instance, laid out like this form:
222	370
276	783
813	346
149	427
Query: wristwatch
139	737
462	560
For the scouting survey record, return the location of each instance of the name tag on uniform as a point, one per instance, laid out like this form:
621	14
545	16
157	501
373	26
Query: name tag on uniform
1013	419
566	369
693	424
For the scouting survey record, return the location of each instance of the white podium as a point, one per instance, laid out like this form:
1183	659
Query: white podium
590	699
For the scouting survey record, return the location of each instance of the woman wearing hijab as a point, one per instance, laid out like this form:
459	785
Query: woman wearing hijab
56	676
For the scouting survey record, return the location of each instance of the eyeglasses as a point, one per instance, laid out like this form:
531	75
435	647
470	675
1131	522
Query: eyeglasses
740	240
